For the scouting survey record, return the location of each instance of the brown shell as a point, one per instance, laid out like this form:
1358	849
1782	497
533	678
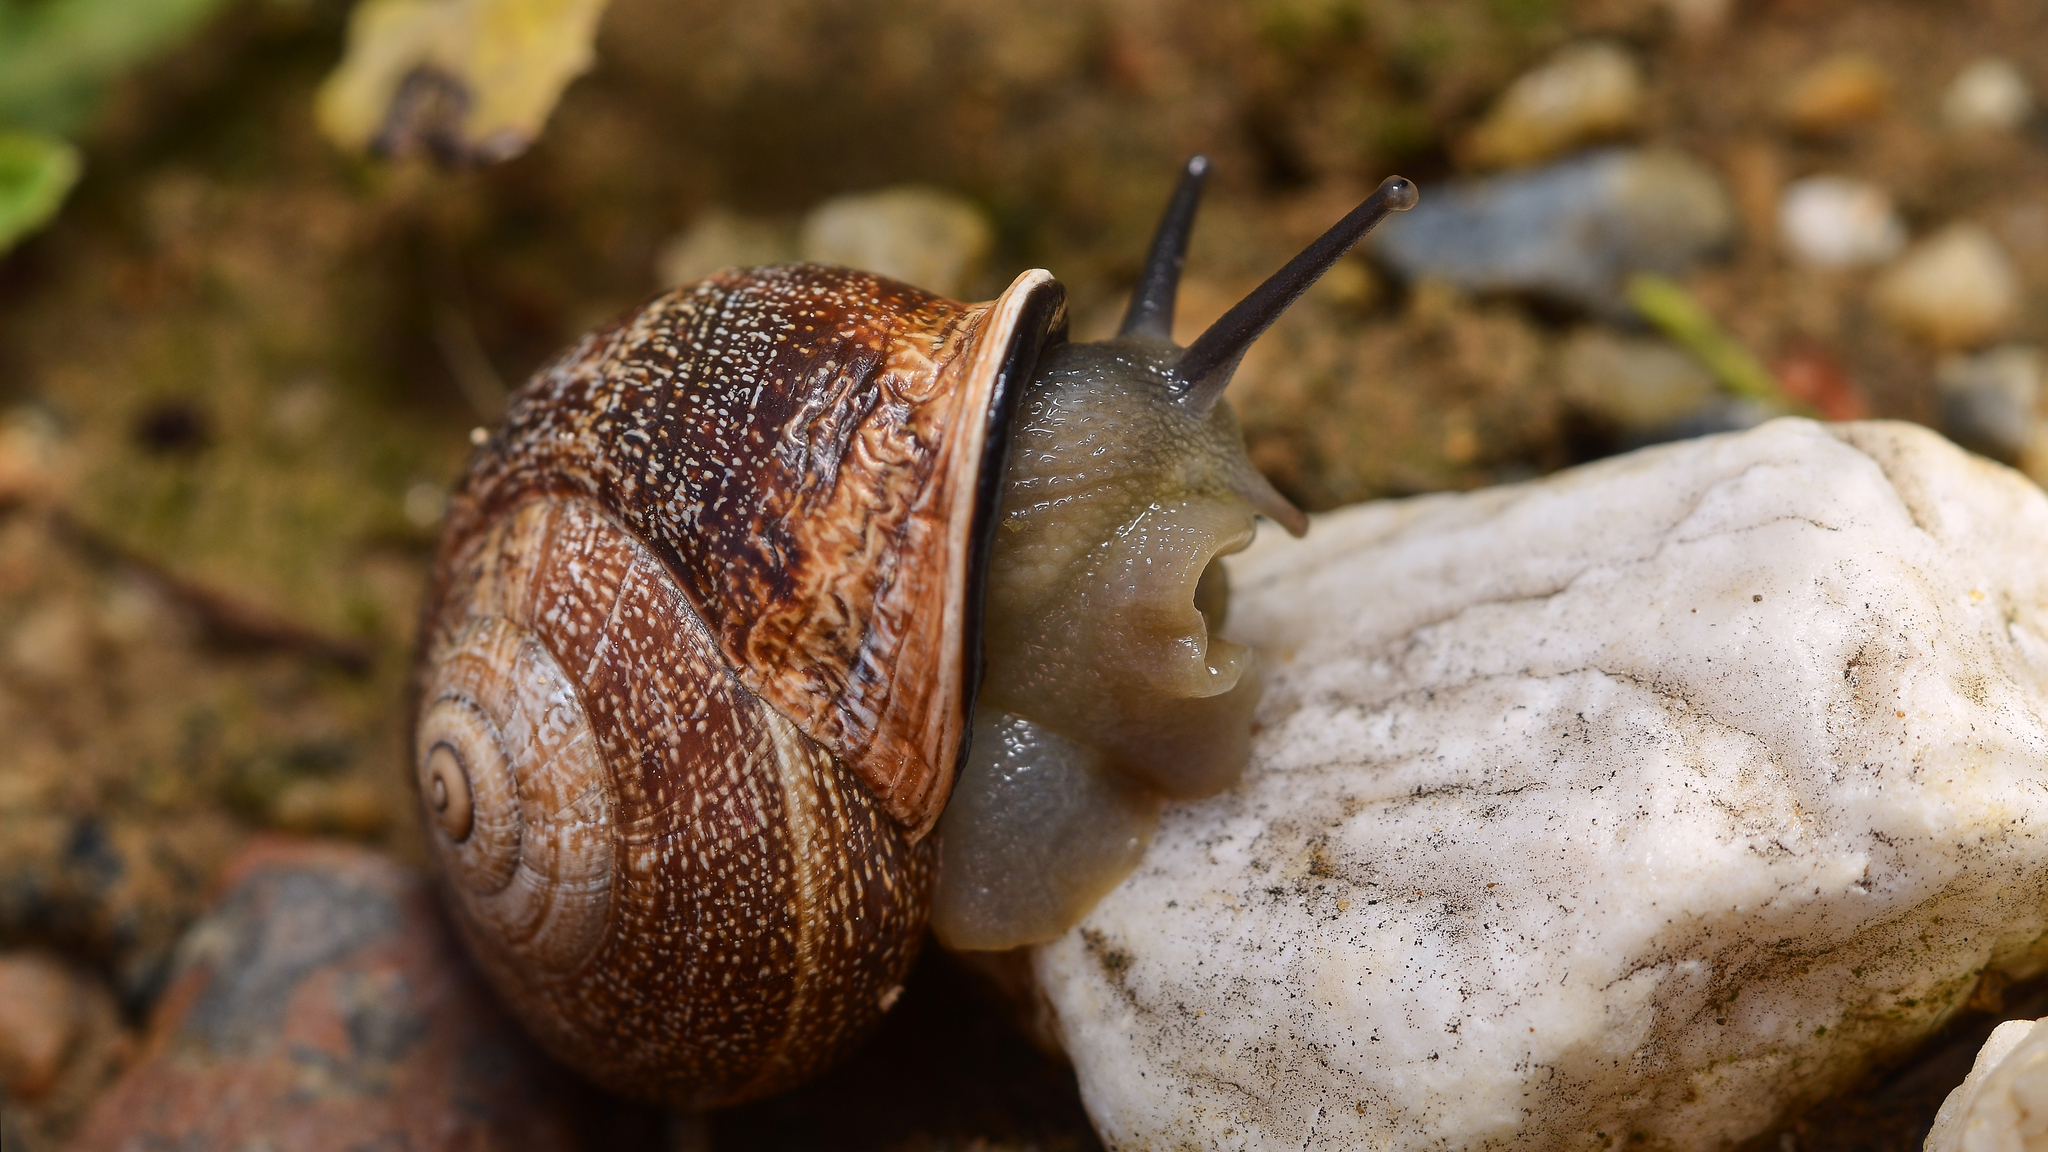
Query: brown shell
809	449
702	633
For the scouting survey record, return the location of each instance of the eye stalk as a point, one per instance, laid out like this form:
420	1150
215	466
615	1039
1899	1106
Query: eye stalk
1204	370
1151	310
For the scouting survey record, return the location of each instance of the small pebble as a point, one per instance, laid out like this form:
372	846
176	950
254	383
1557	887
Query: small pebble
424	504
301	410
60	1042
1990	94
933	239
1350	284
1839	92
41	1014
1588	91
1699	18
1812	377
1991	402
1572	231
135	612
1640	386
52	644
720	239
1836	222
28	453
1954	289
322	1005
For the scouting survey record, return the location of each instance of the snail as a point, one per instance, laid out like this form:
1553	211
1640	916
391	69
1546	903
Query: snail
748	579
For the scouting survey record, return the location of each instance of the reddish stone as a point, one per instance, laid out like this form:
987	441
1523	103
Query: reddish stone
1817	380
323	1004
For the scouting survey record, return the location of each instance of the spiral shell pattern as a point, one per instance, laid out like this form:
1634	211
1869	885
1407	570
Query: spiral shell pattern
503	735
680	894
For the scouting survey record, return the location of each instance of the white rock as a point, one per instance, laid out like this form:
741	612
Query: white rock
2002	1106
924	236
1587	91
1836	222
1989	94
1647	800
1955	289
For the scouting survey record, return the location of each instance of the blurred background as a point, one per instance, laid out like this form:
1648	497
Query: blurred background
262	276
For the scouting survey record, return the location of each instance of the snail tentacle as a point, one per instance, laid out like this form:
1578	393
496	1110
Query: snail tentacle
1151	309
1204	370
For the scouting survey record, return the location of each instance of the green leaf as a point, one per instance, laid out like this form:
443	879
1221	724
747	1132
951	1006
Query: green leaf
36	173
1689	325
57	56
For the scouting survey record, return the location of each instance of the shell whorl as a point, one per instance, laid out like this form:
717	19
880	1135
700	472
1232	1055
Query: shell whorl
518	793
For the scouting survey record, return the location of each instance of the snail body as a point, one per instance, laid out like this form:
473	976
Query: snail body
703	655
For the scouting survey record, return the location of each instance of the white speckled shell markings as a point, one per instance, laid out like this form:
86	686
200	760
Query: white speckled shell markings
503	747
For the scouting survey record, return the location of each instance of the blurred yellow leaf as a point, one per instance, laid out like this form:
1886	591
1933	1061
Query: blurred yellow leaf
464	81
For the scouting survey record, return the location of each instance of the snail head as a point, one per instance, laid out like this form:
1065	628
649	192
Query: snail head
1126	480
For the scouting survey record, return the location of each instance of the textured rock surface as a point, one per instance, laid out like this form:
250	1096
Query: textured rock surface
1644	802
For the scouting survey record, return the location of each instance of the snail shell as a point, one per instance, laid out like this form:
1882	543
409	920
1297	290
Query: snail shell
678	742
703	647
